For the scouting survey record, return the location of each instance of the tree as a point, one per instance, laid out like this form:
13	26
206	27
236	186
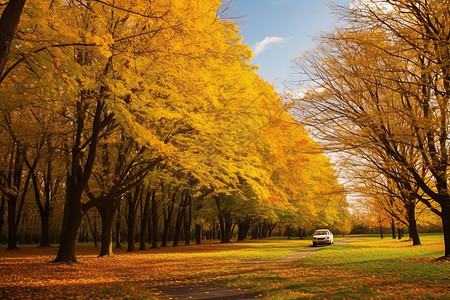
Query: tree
14	190
383	83
105	86
154	103
375	176
8	25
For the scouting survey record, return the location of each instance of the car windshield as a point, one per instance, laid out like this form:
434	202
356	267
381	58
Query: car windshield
321	232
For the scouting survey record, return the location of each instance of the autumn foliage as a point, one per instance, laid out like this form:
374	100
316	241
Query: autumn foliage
377	92
147	117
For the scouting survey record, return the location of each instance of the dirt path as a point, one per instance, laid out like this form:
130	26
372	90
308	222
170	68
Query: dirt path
207	292
303	253
211	292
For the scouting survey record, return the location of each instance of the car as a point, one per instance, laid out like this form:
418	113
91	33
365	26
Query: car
322	236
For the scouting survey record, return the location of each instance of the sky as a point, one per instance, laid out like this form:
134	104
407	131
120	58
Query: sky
279	30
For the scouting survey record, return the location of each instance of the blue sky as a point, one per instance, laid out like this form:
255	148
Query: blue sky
279	30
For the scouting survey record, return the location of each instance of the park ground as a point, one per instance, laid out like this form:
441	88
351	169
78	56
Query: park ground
276	268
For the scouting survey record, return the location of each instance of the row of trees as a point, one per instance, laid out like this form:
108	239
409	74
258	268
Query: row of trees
151	105
379	95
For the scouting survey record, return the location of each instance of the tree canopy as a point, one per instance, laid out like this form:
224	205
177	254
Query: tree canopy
150	108
380	94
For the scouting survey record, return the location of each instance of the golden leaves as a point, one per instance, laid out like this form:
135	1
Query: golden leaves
177	80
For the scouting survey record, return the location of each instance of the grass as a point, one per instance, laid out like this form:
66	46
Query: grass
386	269
369	266
360	269
394	260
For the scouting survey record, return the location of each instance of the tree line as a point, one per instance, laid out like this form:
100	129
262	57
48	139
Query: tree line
378	93
148	113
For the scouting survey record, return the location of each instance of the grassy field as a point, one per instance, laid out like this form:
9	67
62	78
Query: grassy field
361	268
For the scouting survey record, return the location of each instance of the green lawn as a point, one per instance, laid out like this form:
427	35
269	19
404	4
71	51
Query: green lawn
360	269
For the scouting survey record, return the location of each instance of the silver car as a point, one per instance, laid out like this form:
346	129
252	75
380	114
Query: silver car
322	236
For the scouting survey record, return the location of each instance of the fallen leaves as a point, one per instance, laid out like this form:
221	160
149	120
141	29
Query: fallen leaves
30	274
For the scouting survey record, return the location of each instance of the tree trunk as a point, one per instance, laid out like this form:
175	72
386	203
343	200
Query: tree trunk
213	230
393	228
131	225
176	234
168	214
81	235
107	215
187	219
8	25
131	221
12	229
165	235
93	229
413	234
133	203
198	234
149	227
144	222
254	233
265	230
381	232
73	214
272	227
119	215
222	228
226	227
44	210
154	221
78	177
225	221
86	234
50	189
2	213
245	228
300	233
288	230
446	226
14	182
45	237
242	230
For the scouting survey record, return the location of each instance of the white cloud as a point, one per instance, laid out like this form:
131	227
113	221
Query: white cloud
355	4
371	4
278	2
268	40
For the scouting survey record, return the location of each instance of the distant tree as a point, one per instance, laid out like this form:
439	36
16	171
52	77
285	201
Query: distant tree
382	83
